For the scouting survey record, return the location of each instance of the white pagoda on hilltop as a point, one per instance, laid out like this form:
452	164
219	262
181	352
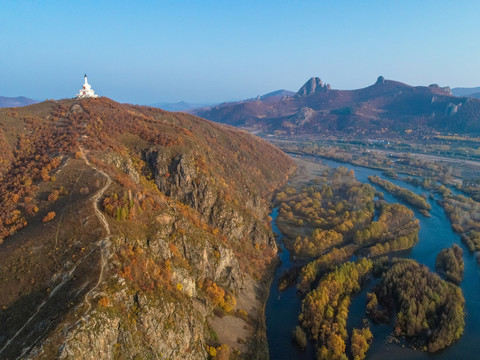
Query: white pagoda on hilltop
86	91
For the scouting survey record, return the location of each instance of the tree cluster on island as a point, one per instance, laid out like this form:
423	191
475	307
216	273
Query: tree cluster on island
403	194
449	263
338	218
426	308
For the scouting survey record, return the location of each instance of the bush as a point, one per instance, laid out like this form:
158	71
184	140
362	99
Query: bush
449	263
300	337
49	217
360	343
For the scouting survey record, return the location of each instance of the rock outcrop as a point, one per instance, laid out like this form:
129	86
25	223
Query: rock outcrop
180	179
312	86
380	80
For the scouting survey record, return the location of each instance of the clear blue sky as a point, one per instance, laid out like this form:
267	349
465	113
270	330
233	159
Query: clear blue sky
208	51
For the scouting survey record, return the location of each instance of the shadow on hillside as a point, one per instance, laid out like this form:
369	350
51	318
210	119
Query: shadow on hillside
30	319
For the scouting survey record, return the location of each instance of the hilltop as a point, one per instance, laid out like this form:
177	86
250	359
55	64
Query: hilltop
387	109
131	232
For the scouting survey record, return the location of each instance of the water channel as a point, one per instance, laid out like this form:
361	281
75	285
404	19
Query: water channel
283	308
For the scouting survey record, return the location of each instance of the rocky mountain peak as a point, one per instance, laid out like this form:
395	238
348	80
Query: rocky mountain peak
380	80
312	86
445	89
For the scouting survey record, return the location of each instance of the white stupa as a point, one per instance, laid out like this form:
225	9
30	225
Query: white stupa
86	91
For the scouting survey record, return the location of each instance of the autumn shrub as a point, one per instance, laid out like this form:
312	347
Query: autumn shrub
223	352
50	216
300	337
53	196
142	271
104	301
219	297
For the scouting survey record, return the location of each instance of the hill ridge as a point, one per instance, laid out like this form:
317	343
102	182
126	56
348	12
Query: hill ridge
16	101
178	231
386	108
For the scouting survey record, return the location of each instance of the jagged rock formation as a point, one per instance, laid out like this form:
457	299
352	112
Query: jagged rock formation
446	89
131	232
380	80
385	109
312	86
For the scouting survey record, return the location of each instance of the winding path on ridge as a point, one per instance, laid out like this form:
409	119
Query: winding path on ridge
103	221
95	199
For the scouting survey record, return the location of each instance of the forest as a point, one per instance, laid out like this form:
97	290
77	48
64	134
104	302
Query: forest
403	194
329	220
334	219
335	211
430	320
329	211
449	263
396	229
464	214
426	308
325	309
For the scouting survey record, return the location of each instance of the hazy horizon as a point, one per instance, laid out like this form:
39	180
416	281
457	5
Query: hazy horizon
208	52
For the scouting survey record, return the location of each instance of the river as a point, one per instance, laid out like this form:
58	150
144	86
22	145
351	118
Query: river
283	308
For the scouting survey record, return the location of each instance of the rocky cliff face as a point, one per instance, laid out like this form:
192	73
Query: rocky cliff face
178	178
160	246
158	330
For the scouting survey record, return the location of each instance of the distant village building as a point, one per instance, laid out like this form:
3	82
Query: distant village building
86	91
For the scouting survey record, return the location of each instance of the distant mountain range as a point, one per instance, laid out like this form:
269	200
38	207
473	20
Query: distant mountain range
179	106
186	106
387	108
16	101
469	92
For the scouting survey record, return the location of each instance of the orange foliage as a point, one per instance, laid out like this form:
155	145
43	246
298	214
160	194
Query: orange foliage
50	216
104	301
31	209
35	156
53	196
142	271
218	296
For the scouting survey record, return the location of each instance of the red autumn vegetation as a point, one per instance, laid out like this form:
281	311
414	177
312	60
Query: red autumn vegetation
141	270
54	131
